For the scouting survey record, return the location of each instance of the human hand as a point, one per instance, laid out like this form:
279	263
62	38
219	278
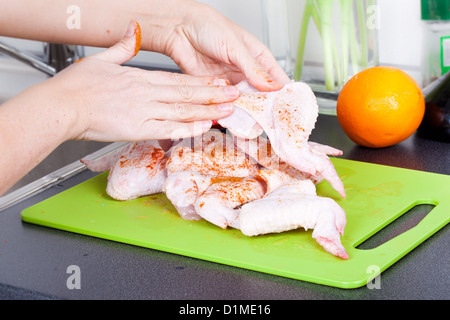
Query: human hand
201	41
115	103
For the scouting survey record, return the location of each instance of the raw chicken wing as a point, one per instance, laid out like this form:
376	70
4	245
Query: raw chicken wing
213	153
292	206
183	188
287	116
105	162
218	201
260	149
200	172
136	170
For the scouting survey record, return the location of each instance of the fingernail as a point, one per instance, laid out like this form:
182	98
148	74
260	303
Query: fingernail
134	29
231	91
225	107
131	29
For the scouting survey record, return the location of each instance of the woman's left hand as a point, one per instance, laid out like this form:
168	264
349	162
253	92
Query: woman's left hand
202	42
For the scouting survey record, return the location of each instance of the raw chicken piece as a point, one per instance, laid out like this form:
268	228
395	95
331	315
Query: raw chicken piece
201	167
287	116
183	188
241	124
292	206
213	153
138	172
105	162
324	149
274	179
260	149
212	177
218	201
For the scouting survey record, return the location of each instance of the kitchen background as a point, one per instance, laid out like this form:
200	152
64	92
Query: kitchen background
400	38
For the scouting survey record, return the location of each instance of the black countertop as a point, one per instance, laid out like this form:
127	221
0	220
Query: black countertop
34	259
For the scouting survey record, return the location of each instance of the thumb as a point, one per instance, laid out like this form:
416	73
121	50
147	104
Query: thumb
126	48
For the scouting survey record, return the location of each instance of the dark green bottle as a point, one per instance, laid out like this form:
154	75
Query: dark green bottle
436	122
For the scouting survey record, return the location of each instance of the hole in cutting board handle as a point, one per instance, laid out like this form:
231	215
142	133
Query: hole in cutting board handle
403	223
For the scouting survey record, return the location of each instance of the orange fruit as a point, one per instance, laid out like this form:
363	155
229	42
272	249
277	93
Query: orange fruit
380	107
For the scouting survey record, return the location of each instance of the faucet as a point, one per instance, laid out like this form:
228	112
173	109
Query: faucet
55	58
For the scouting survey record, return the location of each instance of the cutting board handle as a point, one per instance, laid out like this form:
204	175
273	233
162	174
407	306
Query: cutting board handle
435	220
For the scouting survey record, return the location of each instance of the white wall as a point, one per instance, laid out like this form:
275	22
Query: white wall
399	34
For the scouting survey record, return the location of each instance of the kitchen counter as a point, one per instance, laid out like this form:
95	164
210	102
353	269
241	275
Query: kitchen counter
34	259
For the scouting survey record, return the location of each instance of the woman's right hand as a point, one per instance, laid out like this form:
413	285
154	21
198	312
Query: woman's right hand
110	102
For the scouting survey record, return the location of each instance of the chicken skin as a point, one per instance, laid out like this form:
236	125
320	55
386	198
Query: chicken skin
288	117
136	170
292	206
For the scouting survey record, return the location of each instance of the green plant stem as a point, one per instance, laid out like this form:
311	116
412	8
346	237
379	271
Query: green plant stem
346	14
317	21
373	31
302	40
354	48
336	66
316	17
326	15
336	62
362	34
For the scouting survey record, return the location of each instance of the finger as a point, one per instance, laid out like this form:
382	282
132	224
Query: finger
265	59
258	77
195	94
258	65
252	70
184	112
269	63
174	78
172	130
126	49
279	74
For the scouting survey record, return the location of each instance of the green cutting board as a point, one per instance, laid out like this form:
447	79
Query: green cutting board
376	196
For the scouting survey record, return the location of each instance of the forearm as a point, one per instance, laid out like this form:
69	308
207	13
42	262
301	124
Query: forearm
30	129
101	23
